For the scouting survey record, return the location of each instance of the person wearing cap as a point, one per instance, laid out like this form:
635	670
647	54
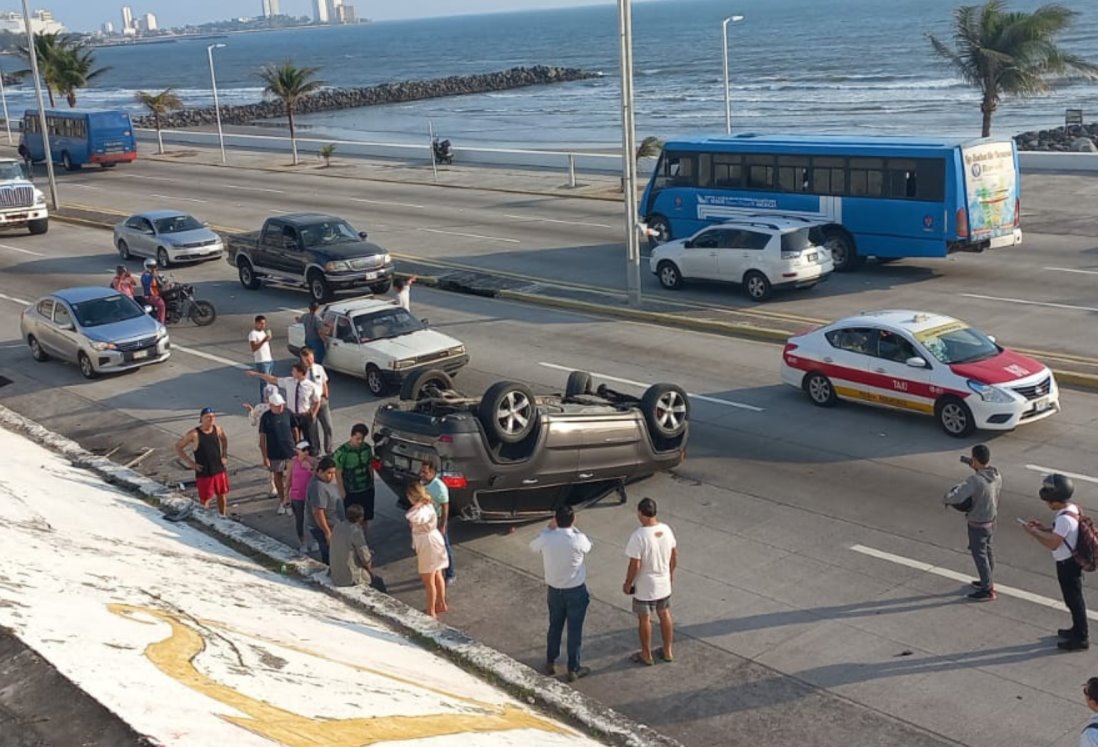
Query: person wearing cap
276	443
1057	491
209	455
123	281
150	288
302	398
300	473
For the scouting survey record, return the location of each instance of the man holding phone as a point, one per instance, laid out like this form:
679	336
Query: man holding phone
978	498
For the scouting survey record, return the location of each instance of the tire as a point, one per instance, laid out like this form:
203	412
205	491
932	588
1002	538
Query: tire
413	388
375	382
662	227
669	275
508	412
319	289
666	410
843	251
162	257
247	275
757	286
66	161
37	352
381	288
203	313
107	165
820	390
86	367
579	382
39	226
954	417
124	249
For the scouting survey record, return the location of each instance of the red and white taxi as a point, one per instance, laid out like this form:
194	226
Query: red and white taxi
921	362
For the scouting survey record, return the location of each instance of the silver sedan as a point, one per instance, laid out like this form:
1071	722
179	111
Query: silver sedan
168	236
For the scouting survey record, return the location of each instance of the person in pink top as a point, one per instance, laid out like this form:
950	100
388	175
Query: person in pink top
123	281
301	470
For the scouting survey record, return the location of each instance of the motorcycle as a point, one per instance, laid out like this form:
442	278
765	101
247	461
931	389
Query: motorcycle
180	303
444	151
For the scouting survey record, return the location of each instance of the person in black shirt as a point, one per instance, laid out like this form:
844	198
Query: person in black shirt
276	442
208	459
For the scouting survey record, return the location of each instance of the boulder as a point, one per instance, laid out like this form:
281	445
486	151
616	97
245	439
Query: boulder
1082	145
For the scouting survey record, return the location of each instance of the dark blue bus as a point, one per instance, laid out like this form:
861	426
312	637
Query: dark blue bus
80	136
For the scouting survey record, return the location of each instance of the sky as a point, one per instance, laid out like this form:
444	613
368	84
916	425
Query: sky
88	15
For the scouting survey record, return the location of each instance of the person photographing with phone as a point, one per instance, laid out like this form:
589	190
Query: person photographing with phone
978	498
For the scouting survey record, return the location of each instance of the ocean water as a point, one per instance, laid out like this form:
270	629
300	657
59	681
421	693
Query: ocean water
795	66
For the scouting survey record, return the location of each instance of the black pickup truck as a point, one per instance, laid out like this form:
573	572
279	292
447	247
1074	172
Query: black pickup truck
321	253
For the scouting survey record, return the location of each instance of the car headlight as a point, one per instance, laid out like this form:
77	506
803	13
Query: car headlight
337	266
161	332
403	363
989	393
457	350
386	259
39	197
103	346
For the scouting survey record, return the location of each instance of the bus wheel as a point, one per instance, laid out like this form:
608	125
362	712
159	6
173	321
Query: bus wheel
843	251
66	161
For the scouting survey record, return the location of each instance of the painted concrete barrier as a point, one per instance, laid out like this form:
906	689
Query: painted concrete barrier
1056	161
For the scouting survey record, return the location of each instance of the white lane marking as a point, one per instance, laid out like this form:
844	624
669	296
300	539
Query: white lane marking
554	220
1070	269
1008	591
150	178
1050	470
13	299
384	202
1030	303
292	311
256	189
186	199
210	357
642	385
470	235
83	186
21	251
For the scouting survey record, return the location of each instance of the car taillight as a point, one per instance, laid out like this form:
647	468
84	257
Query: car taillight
789	348
445	439
454	480
962	222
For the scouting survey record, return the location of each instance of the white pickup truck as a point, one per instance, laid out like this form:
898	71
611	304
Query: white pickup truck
21	203
381	342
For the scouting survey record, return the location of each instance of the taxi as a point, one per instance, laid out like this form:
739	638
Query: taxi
921	362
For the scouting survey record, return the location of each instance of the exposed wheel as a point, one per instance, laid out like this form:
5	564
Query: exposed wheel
659	230
203	313
669	275
843	252
123	249
820	390
375	382
420	384
66	161
39	226
37	352
955	417
86	366
107	165
318	287
381	288
508	412
247	275
162	257
579	382
756	285
666	410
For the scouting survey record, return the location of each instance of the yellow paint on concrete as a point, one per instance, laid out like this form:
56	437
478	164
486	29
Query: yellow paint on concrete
174	656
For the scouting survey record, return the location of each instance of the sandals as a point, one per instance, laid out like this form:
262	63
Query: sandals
662	655
638	659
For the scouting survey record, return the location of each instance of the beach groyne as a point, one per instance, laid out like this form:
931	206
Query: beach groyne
1082	138
334	99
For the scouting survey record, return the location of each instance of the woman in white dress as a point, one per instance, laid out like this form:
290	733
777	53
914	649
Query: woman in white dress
430	547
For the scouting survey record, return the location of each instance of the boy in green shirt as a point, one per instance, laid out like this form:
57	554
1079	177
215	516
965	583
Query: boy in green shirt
355	473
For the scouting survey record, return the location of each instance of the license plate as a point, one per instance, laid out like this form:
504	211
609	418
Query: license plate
402	463
813	257
371	275
1042	404
138	354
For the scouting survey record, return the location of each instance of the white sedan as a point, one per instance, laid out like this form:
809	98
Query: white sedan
920	362
168	236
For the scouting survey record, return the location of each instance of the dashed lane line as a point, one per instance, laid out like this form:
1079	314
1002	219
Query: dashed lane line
642	385
1072	269
470	235
1052	470
14	299
211	357
172	197
21	251
386	202
1006	591
1024	302
256	189
556	220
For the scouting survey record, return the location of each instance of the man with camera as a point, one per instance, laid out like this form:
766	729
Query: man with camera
978	498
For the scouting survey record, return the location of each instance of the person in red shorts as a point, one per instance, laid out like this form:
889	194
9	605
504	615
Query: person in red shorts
209	454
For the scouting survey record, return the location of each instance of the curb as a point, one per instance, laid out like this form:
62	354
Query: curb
519	680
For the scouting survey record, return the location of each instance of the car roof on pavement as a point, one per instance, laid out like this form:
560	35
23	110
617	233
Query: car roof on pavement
360	304
83	293
912	321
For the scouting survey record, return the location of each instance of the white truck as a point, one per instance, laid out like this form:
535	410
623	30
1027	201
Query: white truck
21	203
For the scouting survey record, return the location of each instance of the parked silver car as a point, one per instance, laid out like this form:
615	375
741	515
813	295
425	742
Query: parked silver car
169	236
98	329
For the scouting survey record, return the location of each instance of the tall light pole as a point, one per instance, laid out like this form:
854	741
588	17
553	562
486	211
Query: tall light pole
4	98
727	95
33	50
217	107
629	155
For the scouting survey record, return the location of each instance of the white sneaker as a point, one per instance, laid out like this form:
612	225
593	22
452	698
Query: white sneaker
282	511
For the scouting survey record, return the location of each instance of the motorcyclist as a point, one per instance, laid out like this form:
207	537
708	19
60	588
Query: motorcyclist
151	286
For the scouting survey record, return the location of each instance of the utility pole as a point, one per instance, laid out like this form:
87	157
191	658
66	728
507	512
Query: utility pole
629	155
33	48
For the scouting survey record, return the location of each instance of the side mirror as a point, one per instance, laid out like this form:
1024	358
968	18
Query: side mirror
426	322
362	235
68	327
688	244
916	362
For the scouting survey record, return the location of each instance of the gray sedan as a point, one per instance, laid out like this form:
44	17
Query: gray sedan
169	236
98	329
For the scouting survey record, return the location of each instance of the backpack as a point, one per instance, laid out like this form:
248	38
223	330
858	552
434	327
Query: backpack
1085	551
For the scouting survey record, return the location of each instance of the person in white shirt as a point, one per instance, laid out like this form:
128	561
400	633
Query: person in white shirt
302	398
403	288
1062	537
259	340
315	373
1089	735
563	547
653	556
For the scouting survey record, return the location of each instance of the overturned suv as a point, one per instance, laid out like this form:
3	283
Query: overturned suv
511	455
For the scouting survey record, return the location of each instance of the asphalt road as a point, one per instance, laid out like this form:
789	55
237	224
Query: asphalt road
805	613
1039	295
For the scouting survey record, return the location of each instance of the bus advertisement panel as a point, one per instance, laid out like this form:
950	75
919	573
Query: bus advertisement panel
991	189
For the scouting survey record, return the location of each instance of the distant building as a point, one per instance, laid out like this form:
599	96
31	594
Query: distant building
148	22
271	8
128	26
42	22
107	28
346	14
320	11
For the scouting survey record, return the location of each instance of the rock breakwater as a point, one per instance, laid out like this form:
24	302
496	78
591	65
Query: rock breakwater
1070	139
388	93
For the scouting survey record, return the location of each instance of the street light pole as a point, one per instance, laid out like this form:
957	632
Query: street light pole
217	107
727	95
33	50
4	98
629	155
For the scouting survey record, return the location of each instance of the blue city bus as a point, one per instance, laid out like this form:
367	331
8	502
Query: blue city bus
80	136
884	197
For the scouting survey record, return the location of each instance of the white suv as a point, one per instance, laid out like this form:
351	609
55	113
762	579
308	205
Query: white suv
760	253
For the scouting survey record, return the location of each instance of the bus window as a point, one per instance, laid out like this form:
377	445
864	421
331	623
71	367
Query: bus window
866	177
793	173
760	172
829	176
727	170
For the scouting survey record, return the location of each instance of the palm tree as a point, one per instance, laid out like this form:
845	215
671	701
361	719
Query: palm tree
650	147
74	70
1008	53
326	152
64	62
49	48
160	103
289	83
